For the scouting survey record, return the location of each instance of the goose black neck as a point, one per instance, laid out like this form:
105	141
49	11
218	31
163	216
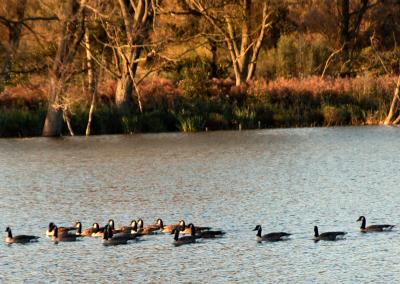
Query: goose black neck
316	233
176	236
363	222
9	233
259	232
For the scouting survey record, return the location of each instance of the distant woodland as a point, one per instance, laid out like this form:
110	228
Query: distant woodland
83	67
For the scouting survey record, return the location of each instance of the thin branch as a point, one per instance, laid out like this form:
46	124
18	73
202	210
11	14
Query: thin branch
328	61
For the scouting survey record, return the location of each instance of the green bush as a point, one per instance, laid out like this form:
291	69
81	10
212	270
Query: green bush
286	56
246	117
188	123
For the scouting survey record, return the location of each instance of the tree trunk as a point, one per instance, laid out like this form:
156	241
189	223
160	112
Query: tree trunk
214	65
244	56
138	22
54	117
91	81
123	93
393	106
257	47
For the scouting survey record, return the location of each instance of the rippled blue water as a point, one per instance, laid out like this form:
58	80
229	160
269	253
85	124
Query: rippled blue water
285	179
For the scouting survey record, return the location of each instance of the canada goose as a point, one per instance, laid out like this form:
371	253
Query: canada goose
148	230
327	236
185	239
271	237
122	229
373	228
109	239
89	232
61	230
166	228
185	230
66	237
21	239
205	234
97	230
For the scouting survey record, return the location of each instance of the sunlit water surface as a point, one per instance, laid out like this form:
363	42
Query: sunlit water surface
286	179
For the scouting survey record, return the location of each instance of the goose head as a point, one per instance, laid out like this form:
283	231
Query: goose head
258	227
361	218
111	223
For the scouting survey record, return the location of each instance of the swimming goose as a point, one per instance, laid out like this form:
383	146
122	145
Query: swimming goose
327	236
109	239
21	239
94	231
66	237
185	230
97	230
148	230
185	239
271	237
117	230
373	228
205	234
61	230
166	228
111	223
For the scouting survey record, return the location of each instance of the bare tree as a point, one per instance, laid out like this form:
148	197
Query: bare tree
129	42
71	36
349	26
224	18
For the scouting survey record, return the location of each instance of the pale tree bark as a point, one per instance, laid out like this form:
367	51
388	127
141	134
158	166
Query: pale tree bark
394	106
71	36
91	80
243	58
14	36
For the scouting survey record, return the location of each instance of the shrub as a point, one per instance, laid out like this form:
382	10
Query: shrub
191	123
336	115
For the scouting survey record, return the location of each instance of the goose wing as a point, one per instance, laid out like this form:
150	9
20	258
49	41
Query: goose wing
331	235
380	227
275	236
209	234
25	238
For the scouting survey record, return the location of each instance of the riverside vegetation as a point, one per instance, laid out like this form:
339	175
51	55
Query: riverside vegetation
213	105
83	80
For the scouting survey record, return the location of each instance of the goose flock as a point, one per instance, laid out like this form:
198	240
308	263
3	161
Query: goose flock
112	235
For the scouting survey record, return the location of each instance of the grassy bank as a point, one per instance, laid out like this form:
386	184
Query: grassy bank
197	105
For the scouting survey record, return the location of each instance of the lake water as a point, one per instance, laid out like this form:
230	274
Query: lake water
285	179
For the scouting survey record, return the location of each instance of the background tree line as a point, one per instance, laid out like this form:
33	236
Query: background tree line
137	65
